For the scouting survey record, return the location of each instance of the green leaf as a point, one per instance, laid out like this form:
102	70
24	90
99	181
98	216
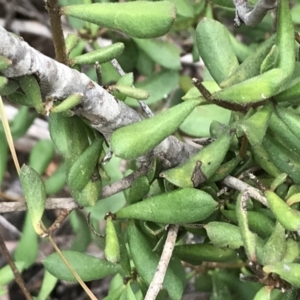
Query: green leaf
220	289
87	267
295	14
196	253
176	207
138	190
41	155
184	8
129	91
264	293
112	246
35	195
68	103
256	126
198	122
29	240
141	19
258	222
49	282
275	247
224	235
144	64
254	90
162	52
22	121
285	39
82	231
102	55
251	66
158	85
200	167
137	139
8	88
7	275
56	181
31	88
248	237
83	168
220	61
4	64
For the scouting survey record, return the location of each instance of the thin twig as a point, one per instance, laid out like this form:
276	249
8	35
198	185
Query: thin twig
18	277
241	186
142	104
11	228
69	203
122	184
57	32
157	281
51	203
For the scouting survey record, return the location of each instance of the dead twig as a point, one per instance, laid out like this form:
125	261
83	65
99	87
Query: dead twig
159	276
18	277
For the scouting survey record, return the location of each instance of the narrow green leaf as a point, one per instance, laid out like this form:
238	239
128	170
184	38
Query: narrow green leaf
220	61
254	90
41	155
250	67
285	38
196	253
31	88
139	138
49	282
184	8
83	168
4	63
162	52
71	42
28	246
35	195
86	266
176	207
248	237
224	235
67	103
129	91
202	165
256	126
82	231
141	19
158	85
7	275
10	87
102	55
263	294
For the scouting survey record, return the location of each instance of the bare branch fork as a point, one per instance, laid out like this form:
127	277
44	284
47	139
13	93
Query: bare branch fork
103	112
252	16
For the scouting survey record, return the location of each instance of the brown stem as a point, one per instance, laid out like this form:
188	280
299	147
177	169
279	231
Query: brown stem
122	184
232	106
57	32
18	277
